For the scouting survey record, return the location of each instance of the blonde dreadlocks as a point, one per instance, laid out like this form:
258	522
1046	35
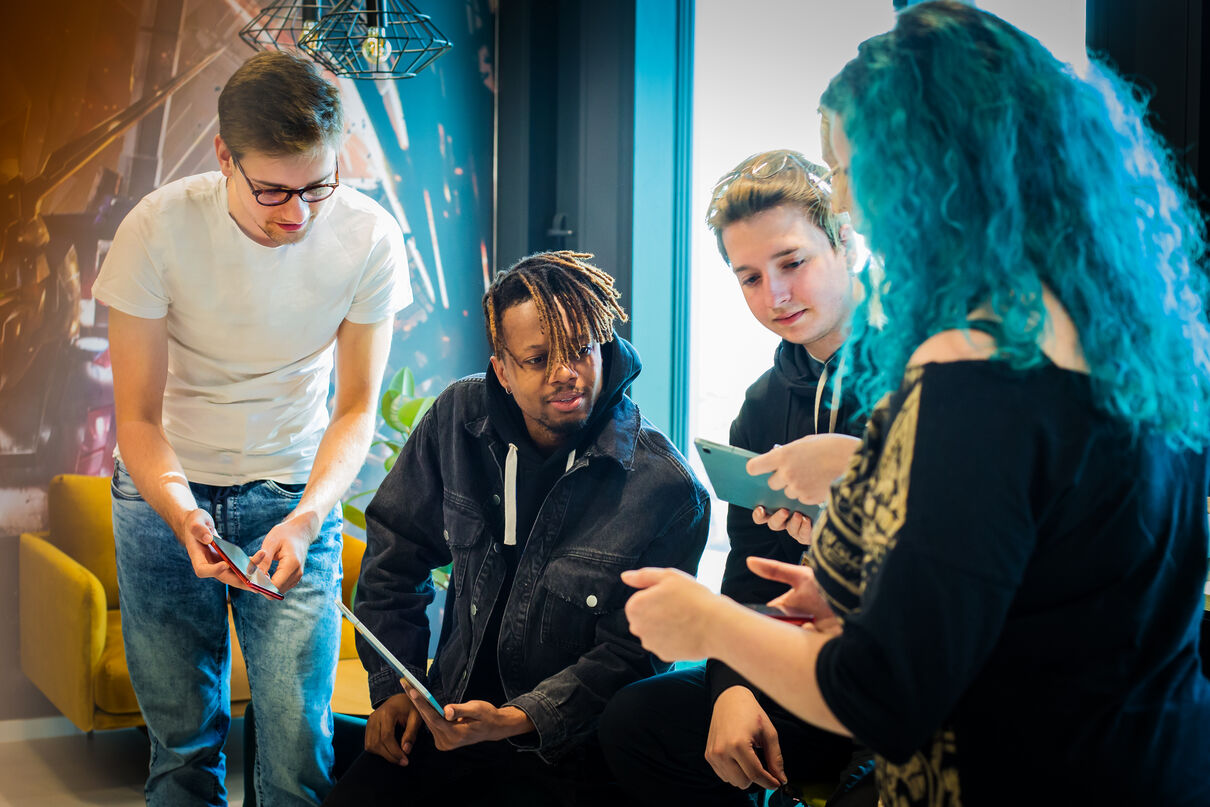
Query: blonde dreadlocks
563	285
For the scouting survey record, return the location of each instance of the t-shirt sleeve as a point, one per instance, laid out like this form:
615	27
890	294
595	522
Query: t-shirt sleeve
947	542
131	279
385	284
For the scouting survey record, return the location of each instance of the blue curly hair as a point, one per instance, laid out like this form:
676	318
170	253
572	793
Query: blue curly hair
983	168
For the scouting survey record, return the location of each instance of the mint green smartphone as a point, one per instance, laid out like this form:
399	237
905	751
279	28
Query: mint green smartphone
726	466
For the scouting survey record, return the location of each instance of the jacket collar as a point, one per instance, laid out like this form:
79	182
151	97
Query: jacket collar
617	438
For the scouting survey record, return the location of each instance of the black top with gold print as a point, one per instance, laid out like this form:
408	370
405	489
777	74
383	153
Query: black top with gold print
1030	587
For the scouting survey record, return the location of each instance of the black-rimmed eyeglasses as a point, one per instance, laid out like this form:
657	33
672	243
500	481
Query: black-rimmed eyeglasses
272	197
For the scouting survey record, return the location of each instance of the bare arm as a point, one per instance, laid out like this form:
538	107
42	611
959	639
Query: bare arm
361	356
678	618
138	350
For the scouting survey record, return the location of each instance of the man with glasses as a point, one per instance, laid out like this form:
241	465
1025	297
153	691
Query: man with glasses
232	295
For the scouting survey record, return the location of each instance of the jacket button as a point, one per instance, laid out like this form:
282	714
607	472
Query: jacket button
591	601
495	498
446	534
474	609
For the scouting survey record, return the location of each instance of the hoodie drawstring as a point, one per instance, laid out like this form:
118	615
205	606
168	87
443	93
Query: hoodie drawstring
510	492
510	497
823	382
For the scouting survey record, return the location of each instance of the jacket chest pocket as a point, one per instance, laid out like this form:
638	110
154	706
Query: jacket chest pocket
463	530
579	591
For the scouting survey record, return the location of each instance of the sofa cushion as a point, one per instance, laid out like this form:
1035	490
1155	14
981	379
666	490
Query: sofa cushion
112	690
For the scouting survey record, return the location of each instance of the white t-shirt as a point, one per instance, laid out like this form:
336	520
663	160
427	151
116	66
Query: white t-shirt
251	329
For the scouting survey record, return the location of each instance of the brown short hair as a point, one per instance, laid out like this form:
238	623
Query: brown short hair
278	104
793	180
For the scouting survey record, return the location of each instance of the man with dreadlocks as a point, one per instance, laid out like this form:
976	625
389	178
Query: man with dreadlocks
541	482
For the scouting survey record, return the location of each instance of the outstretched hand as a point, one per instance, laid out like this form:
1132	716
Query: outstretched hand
806	468
672	613
804	596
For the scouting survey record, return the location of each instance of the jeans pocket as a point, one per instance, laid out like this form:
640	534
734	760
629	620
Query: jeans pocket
285	490
122	486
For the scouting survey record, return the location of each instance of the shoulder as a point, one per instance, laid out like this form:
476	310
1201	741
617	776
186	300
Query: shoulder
954	345
751	423
762	388
179	197
662	464
463	401
352	208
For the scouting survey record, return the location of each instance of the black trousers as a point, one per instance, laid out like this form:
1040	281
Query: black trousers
495	773
653	735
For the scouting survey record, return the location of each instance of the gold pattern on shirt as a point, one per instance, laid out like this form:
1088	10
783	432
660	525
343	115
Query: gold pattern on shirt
928	779
885	503
836	551
861	525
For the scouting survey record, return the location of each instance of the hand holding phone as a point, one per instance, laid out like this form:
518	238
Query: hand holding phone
794	618
248	572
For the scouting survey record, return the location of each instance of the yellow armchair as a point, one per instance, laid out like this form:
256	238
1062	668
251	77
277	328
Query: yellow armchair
70	625
71	628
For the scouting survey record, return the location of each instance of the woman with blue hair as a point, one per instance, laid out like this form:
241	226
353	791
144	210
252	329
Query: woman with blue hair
1024	528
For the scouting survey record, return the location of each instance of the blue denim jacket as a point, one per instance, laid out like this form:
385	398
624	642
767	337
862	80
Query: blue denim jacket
628	500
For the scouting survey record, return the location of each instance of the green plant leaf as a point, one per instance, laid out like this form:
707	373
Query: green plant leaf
390	408
408	412
441	576
389	463
428	404
403	383
396	420
354	515
395	385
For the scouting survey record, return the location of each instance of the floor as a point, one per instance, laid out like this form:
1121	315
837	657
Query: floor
106	769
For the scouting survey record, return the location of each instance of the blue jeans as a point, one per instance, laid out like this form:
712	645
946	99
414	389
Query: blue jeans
174	626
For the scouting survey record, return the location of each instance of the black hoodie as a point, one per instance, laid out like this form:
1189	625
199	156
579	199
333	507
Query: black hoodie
785	403
536	474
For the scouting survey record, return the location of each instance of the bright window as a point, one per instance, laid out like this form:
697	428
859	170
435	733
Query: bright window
759	69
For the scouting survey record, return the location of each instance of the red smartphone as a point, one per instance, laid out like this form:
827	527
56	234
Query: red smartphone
777	613
249	573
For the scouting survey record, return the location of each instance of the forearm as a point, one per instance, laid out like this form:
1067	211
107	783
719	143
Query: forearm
513	723
777	658
156	471
338	460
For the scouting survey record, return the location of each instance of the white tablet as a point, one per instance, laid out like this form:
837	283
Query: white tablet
389	658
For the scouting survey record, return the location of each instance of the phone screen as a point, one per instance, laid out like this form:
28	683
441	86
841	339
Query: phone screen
245	569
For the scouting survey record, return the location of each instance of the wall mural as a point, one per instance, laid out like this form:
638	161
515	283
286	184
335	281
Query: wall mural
106	100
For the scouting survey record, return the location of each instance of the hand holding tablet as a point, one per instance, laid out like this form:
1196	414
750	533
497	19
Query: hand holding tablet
390	659
726	466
